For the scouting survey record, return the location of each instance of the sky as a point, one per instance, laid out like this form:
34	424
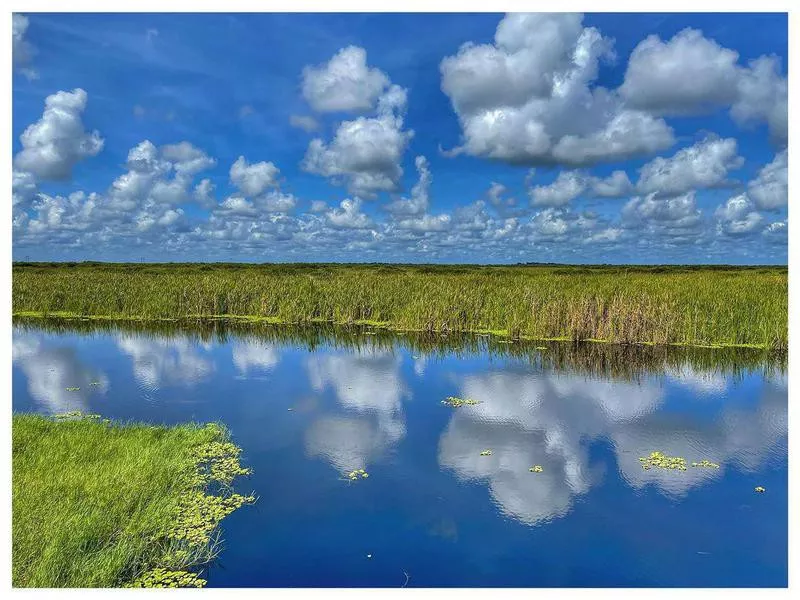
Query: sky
414	138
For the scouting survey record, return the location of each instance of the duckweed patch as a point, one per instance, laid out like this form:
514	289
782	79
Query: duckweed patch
662	461
147	500
164	578
357	474
456	402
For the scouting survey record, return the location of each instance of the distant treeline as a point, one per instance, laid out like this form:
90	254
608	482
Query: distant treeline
691	305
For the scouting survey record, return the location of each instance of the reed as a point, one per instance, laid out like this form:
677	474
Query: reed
731	306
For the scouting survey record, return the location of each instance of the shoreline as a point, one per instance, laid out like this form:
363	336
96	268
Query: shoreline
97	503
382	325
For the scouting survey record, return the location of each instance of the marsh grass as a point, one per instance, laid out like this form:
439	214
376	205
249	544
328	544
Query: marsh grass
712	306
95	504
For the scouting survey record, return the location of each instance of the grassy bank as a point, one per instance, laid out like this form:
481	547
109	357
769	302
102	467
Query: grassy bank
96	504
661	305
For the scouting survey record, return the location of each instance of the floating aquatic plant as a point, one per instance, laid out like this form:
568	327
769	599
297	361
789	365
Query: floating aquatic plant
760	489
706	463
455	402
486	453
662	461
164	578
536	469
358	473
70	415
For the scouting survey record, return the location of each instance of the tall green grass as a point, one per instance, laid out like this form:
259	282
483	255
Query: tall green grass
91	502
662	305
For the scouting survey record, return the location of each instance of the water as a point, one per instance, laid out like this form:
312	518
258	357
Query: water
433	512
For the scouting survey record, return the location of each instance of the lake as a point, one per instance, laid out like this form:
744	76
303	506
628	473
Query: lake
309	405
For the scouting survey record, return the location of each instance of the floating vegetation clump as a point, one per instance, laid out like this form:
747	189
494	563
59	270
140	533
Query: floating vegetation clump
536	469
357	474
456	402
199	513
760	489
486	453
68	415
76	414
662	461
164	578
706	464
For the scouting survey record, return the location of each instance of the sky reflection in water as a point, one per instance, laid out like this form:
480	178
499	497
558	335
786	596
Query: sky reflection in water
433	507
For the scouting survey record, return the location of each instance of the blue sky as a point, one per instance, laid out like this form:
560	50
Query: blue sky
615	138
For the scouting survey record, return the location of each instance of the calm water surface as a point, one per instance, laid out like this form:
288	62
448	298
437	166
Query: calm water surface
434	512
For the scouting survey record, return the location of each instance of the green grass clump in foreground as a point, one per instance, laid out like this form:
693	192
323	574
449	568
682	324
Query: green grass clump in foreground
106	505
662	305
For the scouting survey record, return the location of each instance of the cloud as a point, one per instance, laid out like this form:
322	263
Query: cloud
344	83
22	50
366	152
419	201
691	74
304	122
528	98
253	179
52	146
424	223
703	165
770	189
737	216
615	185
677	216
204	193
23	188
686	75
348	216
567	186
764	96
